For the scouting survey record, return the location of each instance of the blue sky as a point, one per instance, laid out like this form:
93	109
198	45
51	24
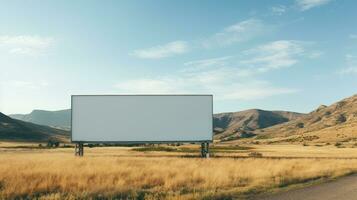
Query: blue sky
277	55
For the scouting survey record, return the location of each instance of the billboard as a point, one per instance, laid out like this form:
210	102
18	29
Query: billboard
142	118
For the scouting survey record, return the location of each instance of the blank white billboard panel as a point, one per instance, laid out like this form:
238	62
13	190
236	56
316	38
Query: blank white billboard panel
142	118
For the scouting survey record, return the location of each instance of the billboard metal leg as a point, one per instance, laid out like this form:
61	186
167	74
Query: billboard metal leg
79	149
204	150
207	150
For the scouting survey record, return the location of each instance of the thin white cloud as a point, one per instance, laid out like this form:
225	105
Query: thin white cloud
198	65
270	56
225	83
25	44
147	86
304	5
274	55
351	65
349	70
236	91
254	91
239	32
227	77
315	54
353	36
162	51
24	51
208	62
278	10
26	84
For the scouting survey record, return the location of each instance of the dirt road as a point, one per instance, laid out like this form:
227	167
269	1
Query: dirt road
344	188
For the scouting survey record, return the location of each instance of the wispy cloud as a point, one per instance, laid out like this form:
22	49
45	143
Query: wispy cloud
239	32
226	83
234	77
26	84
26	44
148	86
274	55
278	10
304	5
353	36
208	62
162	51
351	65
315	54
197	65
270	56
349	70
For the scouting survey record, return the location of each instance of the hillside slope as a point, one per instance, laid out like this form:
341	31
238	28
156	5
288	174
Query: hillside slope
337	122
58	119
16	130
242	124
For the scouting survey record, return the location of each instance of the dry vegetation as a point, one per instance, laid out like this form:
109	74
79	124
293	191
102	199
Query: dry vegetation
122	173
334	123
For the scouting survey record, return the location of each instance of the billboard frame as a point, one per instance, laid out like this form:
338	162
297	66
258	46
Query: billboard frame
143	142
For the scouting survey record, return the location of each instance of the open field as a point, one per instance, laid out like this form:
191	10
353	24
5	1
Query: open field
126	173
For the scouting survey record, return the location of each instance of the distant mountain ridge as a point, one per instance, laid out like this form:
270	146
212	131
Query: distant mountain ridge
17	130
234	125
231	125
58	119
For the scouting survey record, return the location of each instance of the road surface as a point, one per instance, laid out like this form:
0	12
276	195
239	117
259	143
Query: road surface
344	188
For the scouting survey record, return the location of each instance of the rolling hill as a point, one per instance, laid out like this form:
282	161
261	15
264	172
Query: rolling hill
233	125
17	130
334	123
59	119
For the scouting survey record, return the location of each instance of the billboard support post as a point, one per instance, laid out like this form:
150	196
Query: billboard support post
205	150
79	149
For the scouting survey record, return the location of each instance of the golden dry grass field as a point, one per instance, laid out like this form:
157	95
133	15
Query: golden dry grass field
126	173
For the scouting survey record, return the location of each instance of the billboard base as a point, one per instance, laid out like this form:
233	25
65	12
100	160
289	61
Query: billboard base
205	150
78	149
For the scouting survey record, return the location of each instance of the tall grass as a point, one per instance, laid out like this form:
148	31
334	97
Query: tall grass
61	176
